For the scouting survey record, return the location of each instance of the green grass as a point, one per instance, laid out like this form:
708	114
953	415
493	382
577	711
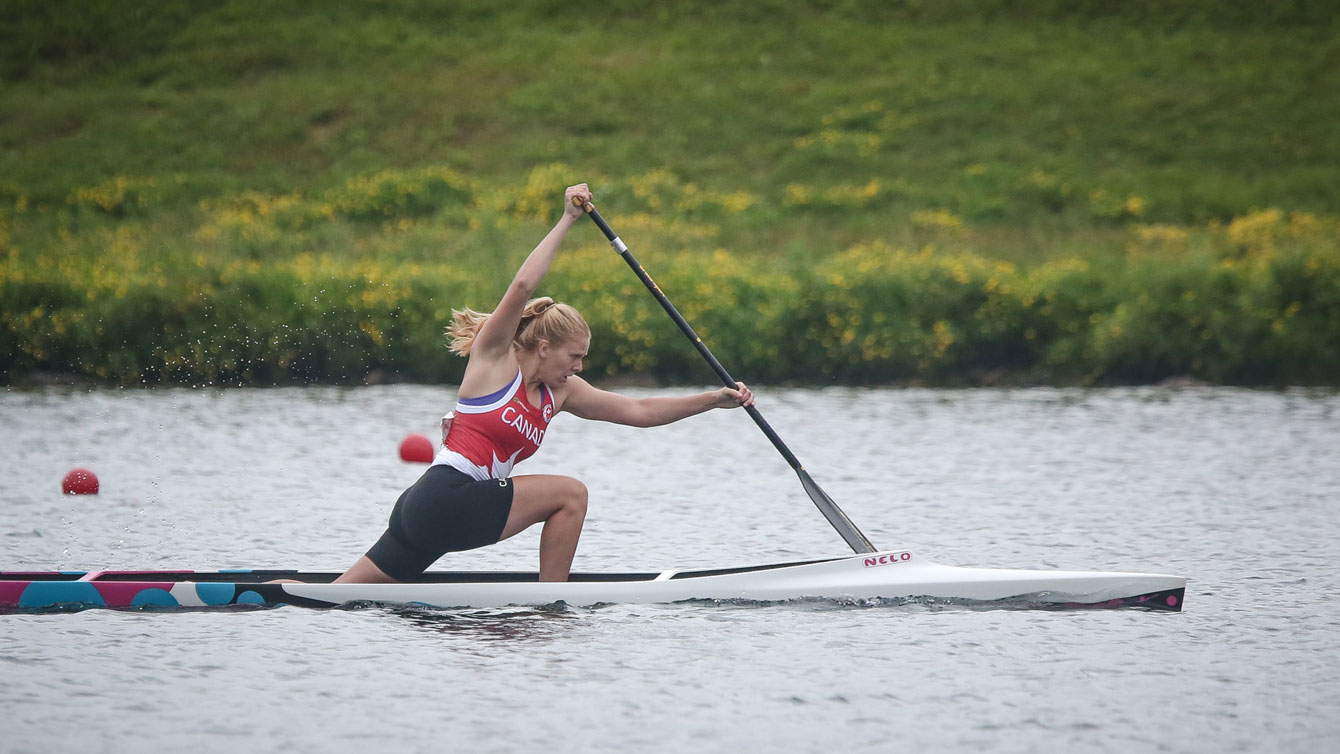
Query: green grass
1028	133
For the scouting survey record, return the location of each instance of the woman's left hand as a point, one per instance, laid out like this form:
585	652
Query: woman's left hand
741	396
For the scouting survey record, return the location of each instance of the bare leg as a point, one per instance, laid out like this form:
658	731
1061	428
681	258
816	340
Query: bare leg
558	501
364	571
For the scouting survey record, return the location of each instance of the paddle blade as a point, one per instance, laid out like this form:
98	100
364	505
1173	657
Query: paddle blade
853	536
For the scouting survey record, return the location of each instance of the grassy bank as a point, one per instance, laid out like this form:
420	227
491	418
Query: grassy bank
1049	191
287	288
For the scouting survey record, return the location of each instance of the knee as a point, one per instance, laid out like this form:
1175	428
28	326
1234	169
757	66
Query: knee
574	498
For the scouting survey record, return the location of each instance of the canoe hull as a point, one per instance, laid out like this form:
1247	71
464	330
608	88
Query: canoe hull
890	575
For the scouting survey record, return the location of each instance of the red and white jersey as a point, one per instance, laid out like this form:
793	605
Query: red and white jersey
489	435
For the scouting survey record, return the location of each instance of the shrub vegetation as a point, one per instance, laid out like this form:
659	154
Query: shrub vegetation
1059	191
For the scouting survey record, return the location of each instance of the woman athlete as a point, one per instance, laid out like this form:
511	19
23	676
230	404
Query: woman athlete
522	369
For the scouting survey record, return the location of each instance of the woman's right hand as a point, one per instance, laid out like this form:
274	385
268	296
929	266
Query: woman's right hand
580	190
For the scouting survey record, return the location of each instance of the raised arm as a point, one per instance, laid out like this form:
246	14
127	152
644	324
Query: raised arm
589	402
494	340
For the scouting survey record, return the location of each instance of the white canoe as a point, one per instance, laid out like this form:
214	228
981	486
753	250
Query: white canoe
888	575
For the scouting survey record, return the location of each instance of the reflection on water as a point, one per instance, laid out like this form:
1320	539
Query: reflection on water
537	624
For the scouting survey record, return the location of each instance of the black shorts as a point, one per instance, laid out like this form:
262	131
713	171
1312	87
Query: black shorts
445	511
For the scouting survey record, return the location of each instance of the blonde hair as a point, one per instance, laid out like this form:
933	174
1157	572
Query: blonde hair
542	319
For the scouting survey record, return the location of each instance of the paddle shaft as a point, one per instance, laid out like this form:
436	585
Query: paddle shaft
844	526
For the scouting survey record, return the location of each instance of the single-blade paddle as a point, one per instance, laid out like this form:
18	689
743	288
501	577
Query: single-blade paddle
853	536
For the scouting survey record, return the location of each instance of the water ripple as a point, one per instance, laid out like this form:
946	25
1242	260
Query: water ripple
1236	489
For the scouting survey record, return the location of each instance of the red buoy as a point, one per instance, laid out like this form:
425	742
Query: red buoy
79	482
416	448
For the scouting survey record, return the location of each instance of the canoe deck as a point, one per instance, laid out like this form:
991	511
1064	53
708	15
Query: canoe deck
890	575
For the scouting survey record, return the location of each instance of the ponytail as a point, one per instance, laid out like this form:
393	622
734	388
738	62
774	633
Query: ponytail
465	324
542	319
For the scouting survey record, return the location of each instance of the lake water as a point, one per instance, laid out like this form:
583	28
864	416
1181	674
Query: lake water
1237	490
